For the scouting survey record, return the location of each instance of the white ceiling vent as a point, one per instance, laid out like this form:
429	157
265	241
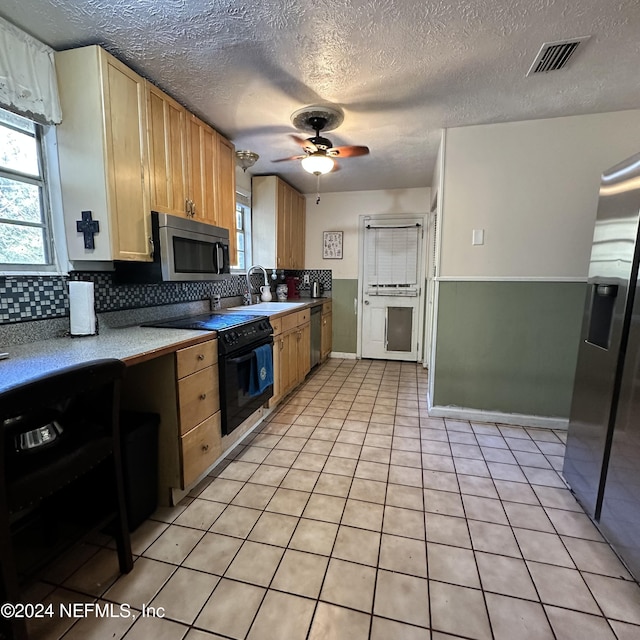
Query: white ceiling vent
555	55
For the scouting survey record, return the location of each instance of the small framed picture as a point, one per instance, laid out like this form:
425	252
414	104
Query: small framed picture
332	245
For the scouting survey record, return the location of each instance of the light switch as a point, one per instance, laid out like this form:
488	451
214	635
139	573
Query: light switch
477	236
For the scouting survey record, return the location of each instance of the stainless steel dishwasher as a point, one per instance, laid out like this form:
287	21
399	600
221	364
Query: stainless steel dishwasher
316	332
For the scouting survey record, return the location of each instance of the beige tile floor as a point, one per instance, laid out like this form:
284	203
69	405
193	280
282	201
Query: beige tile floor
351	514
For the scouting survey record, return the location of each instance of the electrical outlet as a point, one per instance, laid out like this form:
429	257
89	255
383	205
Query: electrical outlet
305	278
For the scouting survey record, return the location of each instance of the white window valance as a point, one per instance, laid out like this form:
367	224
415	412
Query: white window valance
28	83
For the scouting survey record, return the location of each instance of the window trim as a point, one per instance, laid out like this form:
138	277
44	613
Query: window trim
244	199
51	207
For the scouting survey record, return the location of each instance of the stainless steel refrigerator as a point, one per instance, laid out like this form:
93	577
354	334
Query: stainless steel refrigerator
602	461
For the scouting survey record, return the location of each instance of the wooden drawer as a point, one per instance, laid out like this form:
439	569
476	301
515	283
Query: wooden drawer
326	307
198	397
195	358
200	448
277	326
303	316
290	321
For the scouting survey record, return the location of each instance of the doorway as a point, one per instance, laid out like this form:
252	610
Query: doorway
391	287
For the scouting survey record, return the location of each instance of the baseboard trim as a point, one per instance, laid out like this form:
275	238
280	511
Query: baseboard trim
343	355
514	419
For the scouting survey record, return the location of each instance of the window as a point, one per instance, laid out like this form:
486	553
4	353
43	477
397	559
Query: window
25	238
392	258
243	232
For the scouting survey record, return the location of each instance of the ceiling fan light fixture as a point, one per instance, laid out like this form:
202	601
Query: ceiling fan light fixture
246	159
317	163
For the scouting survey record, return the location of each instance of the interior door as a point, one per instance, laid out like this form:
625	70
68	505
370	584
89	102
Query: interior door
391	288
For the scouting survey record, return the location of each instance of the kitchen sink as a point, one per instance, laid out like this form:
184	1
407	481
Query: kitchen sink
268	307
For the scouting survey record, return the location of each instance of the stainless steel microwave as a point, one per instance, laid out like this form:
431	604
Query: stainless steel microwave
183	250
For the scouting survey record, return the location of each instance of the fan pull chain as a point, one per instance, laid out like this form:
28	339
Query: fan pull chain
318	189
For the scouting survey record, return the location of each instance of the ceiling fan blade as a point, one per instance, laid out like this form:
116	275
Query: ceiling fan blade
307	145
289	158
348	152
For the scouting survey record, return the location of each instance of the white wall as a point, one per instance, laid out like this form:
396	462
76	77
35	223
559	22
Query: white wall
243	181
341	211
533	187
437	172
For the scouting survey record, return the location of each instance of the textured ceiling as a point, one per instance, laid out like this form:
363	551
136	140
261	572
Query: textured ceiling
401	70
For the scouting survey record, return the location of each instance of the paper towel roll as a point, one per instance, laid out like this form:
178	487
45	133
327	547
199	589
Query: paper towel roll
82	313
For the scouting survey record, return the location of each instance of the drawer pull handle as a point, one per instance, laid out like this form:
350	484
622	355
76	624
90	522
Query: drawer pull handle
201	356
205	447
203	396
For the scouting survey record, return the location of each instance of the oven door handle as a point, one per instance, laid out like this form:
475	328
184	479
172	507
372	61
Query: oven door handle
244	358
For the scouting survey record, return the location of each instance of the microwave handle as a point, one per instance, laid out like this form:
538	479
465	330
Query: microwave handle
219	257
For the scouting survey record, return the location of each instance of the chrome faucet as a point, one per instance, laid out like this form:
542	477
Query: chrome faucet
249	270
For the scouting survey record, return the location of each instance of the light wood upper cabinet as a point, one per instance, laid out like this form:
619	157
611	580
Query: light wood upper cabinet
192	166
203	148
212	178
102	149
167	139
283	225
227	193
298	219
126	148
278	218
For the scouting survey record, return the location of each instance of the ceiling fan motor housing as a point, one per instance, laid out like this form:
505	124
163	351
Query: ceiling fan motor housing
322	143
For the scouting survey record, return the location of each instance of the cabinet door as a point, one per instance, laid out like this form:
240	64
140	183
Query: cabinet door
295	230
326	336
167	152
227	193
290	218
278	345
126	149
283	219
298	231
303	229
290	362
207	210
202	154
194	164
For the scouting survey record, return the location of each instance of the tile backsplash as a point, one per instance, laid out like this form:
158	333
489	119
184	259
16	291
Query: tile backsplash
25	298
33	298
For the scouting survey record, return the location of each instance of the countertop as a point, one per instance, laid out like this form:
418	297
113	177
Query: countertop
131	344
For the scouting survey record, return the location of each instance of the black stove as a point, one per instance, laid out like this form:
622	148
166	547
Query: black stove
241	341
235	330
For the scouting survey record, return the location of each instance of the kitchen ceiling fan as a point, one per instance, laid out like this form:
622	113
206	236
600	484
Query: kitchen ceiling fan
320	154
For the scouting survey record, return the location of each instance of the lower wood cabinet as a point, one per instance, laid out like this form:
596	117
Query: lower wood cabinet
198	409
291	353
183	388
198	397
200	448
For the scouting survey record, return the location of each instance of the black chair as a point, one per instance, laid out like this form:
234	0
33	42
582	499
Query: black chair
61	455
